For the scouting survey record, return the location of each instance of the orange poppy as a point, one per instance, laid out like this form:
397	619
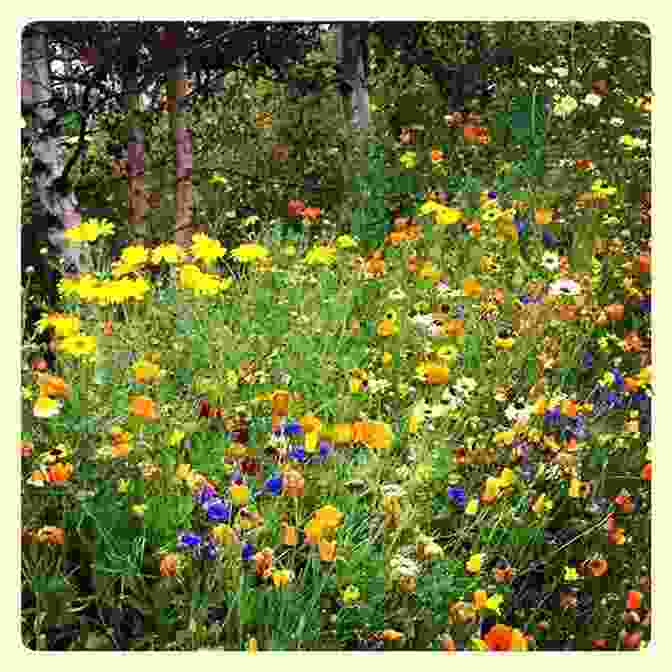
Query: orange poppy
312	213
168	565
391	635
471	287
476	134
144	408
584	164
634	600
327	551
499	638
59	472
647	471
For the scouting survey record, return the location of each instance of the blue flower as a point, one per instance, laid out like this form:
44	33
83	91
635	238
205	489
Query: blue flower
189	540
208	550
248	552
552	416
549	239
645	304
618	378
205	494
587	361
457	496
492	194
297	453
521	224
274	485
218	510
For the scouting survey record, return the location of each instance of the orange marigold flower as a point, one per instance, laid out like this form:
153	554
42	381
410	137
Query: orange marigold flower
52	386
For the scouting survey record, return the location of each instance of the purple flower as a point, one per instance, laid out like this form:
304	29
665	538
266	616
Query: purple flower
587	361
297	453
274	485
645	304
552	416
205	494
218	510
248	552
521	224
549	239
457	496
188	540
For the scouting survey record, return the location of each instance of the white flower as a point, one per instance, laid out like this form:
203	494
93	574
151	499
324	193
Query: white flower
560	72
602	63
423	322
616	121
550	261
537	69
564	106
592	99
551	83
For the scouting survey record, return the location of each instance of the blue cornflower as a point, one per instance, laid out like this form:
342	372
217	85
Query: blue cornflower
645	304
274	485
549	239
618	378
521	224
208	550
218	510
587	361
248	552
188	540
552	416
293	428
457	496
297	453
205	494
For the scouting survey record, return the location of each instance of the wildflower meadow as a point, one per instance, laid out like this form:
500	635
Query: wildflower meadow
396	392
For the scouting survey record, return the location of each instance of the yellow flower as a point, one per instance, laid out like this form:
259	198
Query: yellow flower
249	252
176	437
493	603
351	594
324	255
78	345
506	478
122	487
134	255
240	495
478	644
447	216
471	508
146	372
170	253
46	407
282	577
345	242
223	534
408	159
474	563
571	574
428	207
206	248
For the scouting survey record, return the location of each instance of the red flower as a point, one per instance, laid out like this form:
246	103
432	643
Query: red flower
646	471
295	208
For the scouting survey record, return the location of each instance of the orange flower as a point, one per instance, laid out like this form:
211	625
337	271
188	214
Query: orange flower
615	312
471	287
293	483
374	434
329	516
634	600
646	471
499	638
59	472
120	449
313	531
454	328
479	599
437	155
437	375
264	562
312	213
474	227
448	645
327	551
144	408
168	565
584	164
543	216
289	535
391	635
54	536
107	328
644	263
597	567
476	134
52	386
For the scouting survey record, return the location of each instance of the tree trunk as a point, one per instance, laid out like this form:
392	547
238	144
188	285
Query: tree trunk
353	54
54	208
177	91
137	202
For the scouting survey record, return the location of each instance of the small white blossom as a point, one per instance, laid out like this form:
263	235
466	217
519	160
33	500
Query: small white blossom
561	71
616	121
536	69
551	83
592	99
564	106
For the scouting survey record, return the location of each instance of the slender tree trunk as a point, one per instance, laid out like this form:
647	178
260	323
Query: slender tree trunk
137	203
352	50
54	208
177	91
